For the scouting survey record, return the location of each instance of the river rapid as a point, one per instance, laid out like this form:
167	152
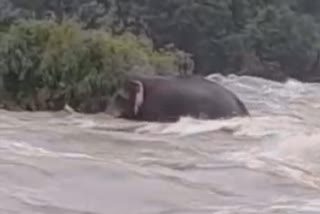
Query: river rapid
62	163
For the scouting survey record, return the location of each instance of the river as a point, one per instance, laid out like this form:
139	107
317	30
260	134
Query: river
62	163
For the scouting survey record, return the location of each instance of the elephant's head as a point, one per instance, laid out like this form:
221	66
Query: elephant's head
128	100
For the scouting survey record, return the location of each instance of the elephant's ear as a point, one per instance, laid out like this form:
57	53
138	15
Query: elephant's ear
138	95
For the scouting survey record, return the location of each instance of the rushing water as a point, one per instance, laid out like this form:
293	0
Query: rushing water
60	163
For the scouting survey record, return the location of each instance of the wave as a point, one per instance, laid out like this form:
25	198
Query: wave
21	148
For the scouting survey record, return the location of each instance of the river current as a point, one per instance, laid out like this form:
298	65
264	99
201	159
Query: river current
70	163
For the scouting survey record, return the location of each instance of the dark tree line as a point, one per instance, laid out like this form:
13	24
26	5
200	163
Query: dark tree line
269	38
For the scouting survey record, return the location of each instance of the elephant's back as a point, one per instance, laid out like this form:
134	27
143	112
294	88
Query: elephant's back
193	96
216	99
224	99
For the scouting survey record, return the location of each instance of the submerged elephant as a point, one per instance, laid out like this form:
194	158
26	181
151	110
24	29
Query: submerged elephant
166	99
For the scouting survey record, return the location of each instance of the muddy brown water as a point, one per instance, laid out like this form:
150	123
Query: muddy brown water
60	163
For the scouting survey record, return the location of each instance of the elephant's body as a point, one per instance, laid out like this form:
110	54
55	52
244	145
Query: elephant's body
169	98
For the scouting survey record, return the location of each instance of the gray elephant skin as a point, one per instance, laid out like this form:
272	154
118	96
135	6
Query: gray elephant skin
168	98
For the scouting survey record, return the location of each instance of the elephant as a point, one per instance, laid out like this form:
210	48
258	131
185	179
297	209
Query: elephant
168	98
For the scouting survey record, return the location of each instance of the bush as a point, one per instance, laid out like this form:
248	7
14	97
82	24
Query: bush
45	65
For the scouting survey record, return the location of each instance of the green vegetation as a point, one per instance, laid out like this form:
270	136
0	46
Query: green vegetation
47	63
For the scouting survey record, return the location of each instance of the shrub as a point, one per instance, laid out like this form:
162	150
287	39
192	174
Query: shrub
45	65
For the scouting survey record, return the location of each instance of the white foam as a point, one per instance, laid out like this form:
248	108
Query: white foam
296	157
255	127
190	126
25	149
302	146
